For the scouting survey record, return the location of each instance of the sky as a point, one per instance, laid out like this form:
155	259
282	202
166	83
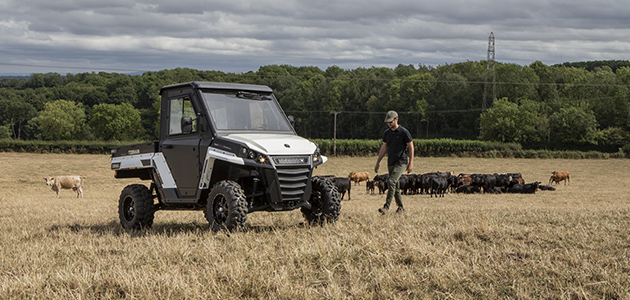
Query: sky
237	36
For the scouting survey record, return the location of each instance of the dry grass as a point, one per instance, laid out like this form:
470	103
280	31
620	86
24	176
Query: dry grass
573	243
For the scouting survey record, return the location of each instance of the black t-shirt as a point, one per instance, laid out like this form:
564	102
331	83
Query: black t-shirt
396	145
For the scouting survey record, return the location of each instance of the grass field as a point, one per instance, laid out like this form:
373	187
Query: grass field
573	243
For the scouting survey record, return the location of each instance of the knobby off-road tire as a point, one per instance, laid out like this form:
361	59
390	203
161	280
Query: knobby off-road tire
227	206
135	207
325	202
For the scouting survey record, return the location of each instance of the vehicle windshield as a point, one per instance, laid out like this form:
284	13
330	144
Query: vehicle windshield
245	111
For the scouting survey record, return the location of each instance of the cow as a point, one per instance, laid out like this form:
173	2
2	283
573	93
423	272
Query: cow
560	176
503	180
343	185
438	185
380	181
468	189
529	188
369	187
407	184
485	181
453	182
546	188
357	177
465	179
66	182
382	186
518	177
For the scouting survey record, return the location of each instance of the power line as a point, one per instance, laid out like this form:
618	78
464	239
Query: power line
74	68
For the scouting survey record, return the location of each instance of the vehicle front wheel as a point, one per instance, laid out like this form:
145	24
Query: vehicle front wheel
135	207
325	202
227	206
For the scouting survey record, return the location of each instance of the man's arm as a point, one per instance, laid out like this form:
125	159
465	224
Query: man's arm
410	165
381	154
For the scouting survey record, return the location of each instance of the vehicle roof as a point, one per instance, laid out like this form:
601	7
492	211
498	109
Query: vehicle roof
220	86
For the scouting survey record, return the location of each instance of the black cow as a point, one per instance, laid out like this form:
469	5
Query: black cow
485	181
406	184
503	181
438	185
453	182
546	188
381	183
529	188
343	185
369	187
468	189
424	182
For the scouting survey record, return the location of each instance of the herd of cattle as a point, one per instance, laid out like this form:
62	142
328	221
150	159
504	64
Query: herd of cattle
434	184
439	183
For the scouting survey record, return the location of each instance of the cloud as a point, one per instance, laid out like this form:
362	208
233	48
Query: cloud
239	35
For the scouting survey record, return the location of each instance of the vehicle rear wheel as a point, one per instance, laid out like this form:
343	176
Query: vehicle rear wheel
227	206
135	207
325	202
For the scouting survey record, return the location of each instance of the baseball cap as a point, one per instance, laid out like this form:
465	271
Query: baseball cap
391	115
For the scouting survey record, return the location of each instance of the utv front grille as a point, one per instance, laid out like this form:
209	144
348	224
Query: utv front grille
292	160
293	182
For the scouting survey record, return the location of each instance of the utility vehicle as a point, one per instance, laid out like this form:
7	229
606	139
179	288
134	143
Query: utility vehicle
227	149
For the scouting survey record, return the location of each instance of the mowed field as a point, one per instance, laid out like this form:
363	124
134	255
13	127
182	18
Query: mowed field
572	243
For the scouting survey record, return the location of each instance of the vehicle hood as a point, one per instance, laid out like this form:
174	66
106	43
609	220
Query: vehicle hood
276	144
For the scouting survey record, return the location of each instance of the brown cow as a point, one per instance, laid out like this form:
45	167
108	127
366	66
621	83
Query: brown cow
66	182
359	176
560	176
465	179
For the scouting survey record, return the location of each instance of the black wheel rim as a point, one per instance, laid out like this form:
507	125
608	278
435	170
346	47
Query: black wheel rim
220	209
129	210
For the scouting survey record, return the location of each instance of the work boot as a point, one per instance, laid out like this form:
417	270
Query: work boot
400	210
383	210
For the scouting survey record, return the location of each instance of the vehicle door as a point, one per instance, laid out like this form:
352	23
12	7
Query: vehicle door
181	146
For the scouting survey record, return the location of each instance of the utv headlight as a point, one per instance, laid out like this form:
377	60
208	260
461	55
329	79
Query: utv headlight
316	156
253	155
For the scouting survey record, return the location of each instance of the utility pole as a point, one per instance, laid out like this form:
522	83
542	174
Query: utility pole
489	65
335	132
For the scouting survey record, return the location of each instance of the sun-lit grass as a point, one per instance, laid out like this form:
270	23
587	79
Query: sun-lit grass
573	243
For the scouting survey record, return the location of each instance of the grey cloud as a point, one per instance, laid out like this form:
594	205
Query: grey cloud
241	35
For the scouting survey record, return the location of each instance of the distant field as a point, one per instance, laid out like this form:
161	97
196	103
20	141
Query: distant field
573	243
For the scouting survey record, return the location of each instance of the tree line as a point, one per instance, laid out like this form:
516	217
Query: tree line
570	106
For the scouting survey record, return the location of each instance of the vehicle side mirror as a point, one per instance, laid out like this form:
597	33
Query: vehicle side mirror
292	121
187	123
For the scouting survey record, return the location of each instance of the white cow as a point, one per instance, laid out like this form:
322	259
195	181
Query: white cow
66	182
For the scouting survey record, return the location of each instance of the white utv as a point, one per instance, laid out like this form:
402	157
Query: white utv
227	149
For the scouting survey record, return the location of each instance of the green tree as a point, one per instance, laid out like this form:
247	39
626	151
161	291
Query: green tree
5	132
61	120
511	123
115	121
573	125
15	114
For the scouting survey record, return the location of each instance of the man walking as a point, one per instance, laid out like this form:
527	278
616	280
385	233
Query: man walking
396	139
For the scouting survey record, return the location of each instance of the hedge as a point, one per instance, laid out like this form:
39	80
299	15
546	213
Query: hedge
75	147
460	148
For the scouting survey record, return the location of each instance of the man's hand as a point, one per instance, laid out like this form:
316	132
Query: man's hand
409	167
